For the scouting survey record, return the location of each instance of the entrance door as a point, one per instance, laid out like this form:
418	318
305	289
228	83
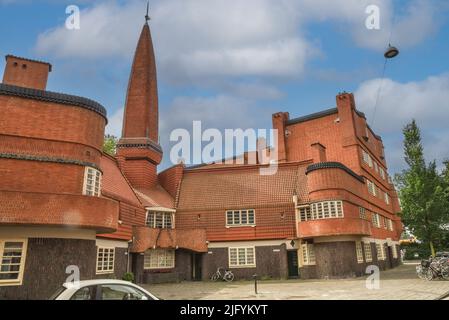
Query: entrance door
196	267
292	257
390	257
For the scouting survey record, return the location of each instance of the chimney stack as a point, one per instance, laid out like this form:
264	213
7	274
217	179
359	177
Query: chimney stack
26	73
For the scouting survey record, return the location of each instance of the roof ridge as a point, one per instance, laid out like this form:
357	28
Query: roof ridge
56	97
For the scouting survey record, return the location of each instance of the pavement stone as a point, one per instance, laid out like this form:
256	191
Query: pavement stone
400	283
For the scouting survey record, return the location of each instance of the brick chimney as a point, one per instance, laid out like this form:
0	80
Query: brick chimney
26	73
279	123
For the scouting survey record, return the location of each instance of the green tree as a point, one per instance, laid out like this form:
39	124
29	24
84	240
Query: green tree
423	192
110	144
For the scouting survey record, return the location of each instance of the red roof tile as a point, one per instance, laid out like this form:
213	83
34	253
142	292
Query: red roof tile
223	188
148	238
155	197
114	183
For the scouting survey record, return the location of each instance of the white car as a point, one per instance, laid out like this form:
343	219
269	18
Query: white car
102	290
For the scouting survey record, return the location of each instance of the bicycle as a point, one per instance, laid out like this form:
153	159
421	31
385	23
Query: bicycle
223	274
433	268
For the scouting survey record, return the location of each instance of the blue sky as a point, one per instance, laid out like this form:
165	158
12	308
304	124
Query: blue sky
233	63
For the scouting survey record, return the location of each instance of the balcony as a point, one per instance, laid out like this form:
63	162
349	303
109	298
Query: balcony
58	210
148	238
334	227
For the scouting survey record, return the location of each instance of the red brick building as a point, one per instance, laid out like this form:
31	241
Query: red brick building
329	211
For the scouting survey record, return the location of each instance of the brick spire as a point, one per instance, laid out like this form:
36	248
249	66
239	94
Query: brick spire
138	151
141	118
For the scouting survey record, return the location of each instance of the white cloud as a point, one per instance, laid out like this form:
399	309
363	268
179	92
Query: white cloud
115	123
197	39
399	103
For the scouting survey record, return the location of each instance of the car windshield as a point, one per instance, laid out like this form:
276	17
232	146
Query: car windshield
57	293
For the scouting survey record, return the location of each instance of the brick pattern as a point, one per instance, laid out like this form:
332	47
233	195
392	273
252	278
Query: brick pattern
171	178
63	210
141	111
41	177
26	73
148	238
48	148
224	188
156	197
31	118
272	222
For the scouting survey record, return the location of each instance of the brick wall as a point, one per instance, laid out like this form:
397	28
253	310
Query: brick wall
276	222
26	73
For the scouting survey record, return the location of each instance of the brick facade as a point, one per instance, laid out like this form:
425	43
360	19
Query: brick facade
47	140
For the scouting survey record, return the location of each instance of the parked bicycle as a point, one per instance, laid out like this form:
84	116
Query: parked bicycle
434	268
223	274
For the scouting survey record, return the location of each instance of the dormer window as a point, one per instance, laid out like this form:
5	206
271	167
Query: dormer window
159	220
92	182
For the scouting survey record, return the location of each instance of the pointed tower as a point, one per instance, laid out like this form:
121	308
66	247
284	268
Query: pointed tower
138	151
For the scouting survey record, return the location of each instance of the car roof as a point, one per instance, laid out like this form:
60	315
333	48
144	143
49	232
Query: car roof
87	283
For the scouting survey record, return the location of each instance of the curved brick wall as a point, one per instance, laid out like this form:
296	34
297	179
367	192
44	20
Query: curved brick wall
41	177
51	121
334	227
20	208
337	184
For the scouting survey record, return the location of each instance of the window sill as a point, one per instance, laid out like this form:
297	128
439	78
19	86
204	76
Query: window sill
105	272
241	226
242	267
11	284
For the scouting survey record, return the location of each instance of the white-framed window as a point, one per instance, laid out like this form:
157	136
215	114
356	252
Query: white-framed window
305	213
159	220
376	220
368	252
380	251
376	166
235	218
382	173
362	213
385	223
386	198
12	261
367	158
359	251
92	182
308	254
325	210
242	257
390	225
105	260
394	249
159	259
372	189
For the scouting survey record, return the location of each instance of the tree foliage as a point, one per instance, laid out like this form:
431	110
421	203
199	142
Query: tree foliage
110	144
424	192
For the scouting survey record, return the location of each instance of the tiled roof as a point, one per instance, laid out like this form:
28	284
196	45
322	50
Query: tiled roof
148	238
155	197
223	188
54	97
114	184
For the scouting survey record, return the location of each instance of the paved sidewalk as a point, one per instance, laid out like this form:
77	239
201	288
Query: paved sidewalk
400	283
